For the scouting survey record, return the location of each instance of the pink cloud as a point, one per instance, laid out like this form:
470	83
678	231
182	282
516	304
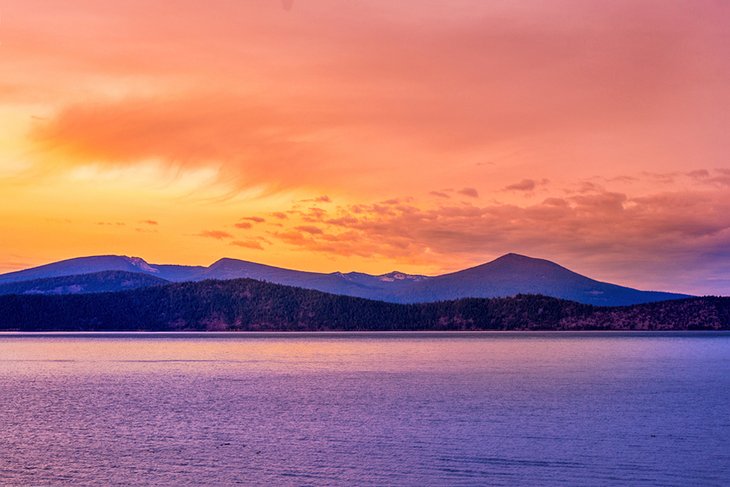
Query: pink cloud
215	234
311	229
470	192
248	244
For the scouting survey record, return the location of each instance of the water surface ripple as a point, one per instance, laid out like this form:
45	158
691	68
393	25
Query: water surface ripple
642	409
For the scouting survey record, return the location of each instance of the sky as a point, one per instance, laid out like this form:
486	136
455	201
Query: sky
327	135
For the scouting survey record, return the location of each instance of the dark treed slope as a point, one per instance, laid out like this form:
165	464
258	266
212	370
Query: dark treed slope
509	275
97	282
253	305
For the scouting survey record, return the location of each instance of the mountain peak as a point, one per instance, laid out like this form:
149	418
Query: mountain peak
225	266
224	262
513	257
520	261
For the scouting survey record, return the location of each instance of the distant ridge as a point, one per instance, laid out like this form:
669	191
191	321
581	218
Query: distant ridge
508	275
97	282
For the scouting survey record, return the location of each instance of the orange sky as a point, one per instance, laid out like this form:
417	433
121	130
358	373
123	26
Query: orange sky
327	135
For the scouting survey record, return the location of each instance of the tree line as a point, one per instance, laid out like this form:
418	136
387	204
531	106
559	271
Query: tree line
249	305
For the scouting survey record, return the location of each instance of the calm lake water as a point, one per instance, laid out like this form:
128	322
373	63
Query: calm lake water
366	409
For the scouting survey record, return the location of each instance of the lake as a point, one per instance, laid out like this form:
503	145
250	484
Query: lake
520	408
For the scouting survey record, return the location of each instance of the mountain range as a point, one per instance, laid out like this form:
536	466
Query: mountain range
509	275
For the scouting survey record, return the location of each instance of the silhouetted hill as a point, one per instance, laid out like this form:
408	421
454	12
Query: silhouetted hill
97	282
514	274
246	304
103	263
358	285
509	275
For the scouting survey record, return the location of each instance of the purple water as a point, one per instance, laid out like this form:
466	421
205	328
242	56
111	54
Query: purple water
369	409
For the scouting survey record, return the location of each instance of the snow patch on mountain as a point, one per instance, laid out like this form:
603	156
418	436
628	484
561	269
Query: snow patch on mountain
141	264
400	276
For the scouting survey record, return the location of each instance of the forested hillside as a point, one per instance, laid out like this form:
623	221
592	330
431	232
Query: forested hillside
246	304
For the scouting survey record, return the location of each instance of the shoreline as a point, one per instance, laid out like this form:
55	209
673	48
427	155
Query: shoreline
340	334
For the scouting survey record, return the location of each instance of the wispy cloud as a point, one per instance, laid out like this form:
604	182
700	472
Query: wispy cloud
311	229
526	185
248	244
470	192
254	219
215	234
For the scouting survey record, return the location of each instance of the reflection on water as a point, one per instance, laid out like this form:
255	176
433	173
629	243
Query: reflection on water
365	409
